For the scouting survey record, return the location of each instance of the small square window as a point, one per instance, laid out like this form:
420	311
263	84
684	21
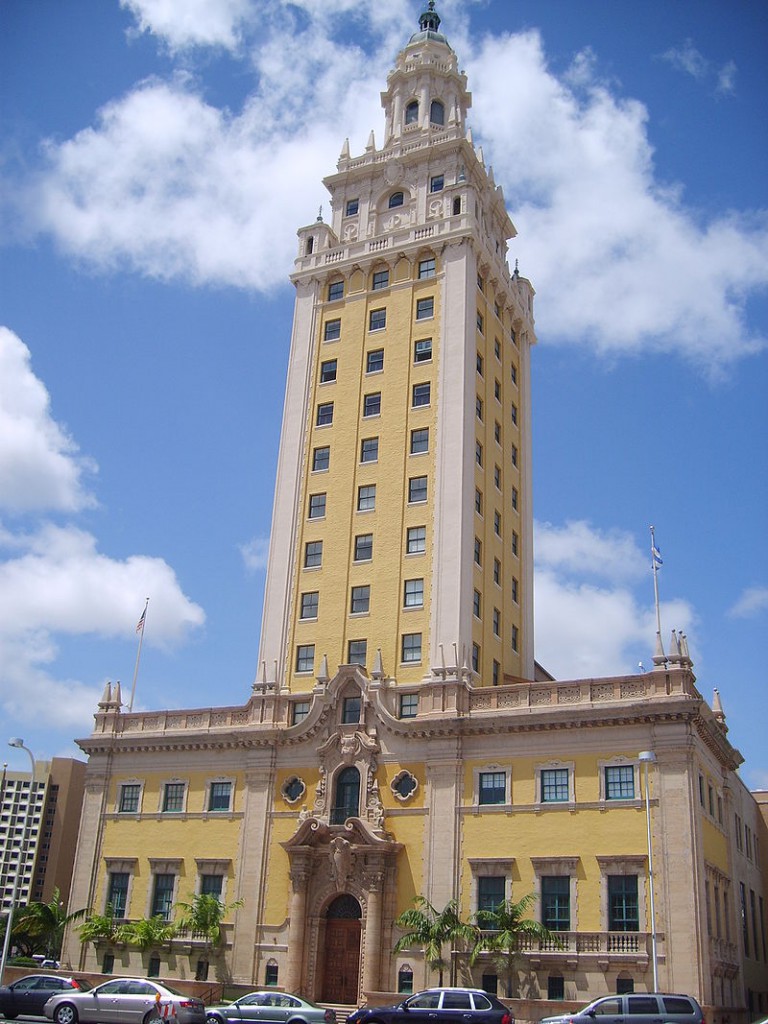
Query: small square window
554	785
321	459
409	705
620	782
421	394
427	268
425	308
353	205
417	489
130	794
422	350
173	797
436	183
305	658
377	320
419	441
369	449
366	498
416	540
374	361
316	506
360	600
478	551
476	603
411	647
497	571
413	596
380	279
324	414
397	198
335	291
478	501
313	554
332	330
364	547
309	604
372	404
328	371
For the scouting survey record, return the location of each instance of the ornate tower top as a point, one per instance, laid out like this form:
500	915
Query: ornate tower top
429	25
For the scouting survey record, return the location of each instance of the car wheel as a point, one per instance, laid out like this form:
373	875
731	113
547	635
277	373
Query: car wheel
65	1013
153	1017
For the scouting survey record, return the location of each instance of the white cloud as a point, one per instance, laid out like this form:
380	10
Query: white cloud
172	187
688	59
726	78
751	603
584	630
185	23
40	467
255	553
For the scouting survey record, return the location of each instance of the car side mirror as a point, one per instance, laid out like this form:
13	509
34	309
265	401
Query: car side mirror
404	1005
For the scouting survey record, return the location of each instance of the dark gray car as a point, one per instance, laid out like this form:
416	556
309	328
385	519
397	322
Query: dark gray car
635	1008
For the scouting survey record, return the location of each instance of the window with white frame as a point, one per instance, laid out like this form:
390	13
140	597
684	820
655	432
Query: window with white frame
164	876
491	882
554	783
556	888
173	797
619	781
220	795
129	798
491	787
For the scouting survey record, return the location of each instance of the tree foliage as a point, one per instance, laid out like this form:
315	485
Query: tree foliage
501	933
203	915
39	927
431	929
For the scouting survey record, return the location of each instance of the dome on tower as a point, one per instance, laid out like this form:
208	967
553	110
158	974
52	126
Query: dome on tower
429	25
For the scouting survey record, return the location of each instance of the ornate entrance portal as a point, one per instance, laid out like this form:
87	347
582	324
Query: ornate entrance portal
342	951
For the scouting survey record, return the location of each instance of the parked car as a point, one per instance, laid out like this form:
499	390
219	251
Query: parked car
28	995
637	1008
270	1006
125	1001
438	1006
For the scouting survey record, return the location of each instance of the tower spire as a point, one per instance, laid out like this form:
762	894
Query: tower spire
429	21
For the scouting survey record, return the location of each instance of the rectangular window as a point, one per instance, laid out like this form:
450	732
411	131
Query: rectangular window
514	638
478	501
366	498
321	459
328	371
220	796
299	711
620	782
335	291
479	364
416	540
478	551
411	647
117	893
497	347
491	892
364	547
360	601
357	653
372	404
427	268
496	673
332	330
478	453
556	987
313	554
419	441
497	477
436	183
316	506
309	604
421	395
162	896
479	408
480	322
623	913
369	449
554	785
380	279
353	205
422	350
413	595
513	411
492	788
497	432
515	587
476	604
497	523
513	373
377	320
417	489
409	705
324	414
475	657
425	308
513	454
556	902
497	391
374	361
514	497
305	658
130	794
496	622
212	885
497	571
173	797
515	543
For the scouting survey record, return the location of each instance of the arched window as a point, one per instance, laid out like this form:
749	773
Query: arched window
347	802
412	112
405	980
437	112
396	199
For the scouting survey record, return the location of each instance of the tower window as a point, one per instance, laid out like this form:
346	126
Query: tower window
377	320
513	373
514	497
309	604
437	183
475	657
421	394
515	543
332	330
422	350
380	279
411	647
513	454
364	547
479	408
476	605
328	371
425	308
313	554
316	506
497	432
396	199
514	589
412	112
366	498
417	489
496	672
497	391
478	453
374	362
347	801
456	206
369	449
480	322
361	600
479	364
513	412
437	112
497	523
514	636
496	622
305	658
497	571
478	551
419	441
335	291
416	540
413	596
353	205
478	501
321	459
358	651
324	414
372	404
427	267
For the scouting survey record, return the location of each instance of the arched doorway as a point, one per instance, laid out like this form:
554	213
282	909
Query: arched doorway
342	951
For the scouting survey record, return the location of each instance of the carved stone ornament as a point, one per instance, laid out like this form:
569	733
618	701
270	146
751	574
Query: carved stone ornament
393	172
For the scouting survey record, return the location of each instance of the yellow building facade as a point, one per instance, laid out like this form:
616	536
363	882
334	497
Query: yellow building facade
400	740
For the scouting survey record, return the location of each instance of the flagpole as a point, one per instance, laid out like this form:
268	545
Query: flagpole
140	631
655	563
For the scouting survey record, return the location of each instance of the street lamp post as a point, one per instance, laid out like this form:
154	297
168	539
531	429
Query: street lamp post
16	742
648	757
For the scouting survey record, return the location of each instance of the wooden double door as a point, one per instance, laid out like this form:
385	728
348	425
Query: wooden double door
341	975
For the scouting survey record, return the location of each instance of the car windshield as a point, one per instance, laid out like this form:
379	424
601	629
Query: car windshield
82	983
173	991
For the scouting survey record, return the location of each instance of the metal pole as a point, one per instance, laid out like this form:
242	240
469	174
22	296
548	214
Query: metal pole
9	921
648	757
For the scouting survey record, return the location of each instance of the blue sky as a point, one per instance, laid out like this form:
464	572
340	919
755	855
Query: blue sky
157	159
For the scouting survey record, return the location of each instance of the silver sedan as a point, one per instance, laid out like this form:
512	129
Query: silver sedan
271	1008
125	1001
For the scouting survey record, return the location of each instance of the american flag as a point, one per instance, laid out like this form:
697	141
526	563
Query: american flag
140	623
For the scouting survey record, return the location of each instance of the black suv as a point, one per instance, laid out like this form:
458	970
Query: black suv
438	1006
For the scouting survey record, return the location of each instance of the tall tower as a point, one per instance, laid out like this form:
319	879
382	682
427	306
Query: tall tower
402	526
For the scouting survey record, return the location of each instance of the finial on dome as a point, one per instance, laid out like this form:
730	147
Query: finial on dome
430	19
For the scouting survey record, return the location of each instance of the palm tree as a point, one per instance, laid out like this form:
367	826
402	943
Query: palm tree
147	933
203	915
431	929
44	923
100	927
503	930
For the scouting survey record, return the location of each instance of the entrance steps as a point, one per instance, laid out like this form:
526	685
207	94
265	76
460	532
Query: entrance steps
341	1010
